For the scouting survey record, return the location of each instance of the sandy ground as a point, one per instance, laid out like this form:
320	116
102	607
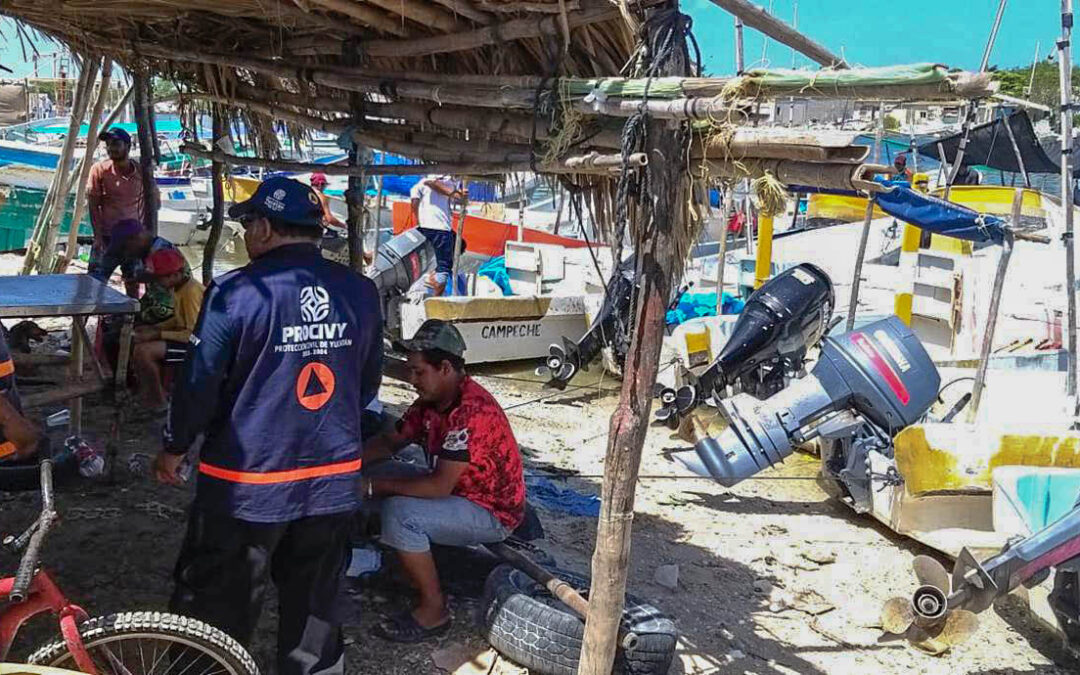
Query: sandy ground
750	598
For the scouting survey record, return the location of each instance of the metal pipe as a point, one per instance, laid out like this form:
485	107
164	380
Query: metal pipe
726	212
1065	62
993	37
854	301
740	64
995	304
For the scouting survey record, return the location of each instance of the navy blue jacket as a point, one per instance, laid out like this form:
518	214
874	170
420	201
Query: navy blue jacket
286	354
7	390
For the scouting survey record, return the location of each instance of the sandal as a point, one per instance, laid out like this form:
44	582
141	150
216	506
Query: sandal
404	628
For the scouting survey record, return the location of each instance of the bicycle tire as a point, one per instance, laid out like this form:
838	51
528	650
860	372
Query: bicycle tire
168	631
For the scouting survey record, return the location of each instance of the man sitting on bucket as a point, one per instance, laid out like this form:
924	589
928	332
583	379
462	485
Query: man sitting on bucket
476	493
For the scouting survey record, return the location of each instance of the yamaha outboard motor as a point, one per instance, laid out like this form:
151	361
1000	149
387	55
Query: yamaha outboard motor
780	322
867	385
608	330
400	262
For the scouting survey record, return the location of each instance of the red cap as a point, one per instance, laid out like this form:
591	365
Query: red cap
166	261
318	178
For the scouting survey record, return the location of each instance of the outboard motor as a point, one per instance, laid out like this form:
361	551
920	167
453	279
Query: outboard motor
608	330
768	344
400	262
867	385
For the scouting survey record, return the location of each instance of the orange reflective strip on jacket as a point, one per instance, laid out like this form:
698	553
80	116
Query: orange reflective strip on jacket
7	449
274	477
7	368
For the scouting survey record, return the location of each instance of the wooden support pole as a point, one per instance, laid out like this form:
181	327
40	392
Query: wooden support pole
759	19
860	256
219	130
142	103
85	166
354	201
42	250
1065	66
740	63
721	254
657	259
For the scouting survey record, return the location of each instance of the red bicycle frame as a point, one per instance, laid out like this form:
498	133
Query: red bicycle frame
44	596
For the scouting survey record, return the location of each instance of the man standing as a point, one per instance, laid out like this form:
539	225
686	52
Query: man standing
285	356
476	493
900	166
115	192
431	210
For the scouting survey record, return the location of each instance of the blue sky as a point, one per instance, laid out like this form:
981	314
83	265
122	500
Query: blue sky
884	32
867	32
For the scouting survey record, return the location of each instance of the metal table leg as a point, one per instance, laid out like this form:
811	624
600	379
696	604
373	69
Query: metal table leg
78	351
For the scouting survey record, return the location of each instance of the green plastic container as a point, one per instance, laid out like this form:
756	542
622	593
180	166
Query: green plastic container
19	209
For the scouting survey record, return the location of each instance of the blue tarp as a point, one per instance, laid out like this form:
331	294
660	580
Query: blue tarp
939	216
928	212
495	269
545	494
693	305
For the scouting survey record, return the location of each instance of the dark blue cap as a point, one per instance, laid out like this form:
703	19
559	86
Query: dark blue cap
115	134
285	200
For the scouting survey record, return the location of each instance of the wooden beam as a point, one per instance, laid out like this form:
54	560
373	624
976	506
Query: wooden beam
515	29
365	14
658	256
761	20
594	164
423	13
141	82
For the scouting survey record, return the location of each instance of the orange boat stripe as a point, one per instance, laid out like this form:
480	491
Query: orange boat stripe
274	477
6	449
7	368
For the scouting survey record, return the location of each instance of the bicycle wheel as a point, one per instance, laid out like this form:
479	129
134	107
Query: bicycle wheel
145	643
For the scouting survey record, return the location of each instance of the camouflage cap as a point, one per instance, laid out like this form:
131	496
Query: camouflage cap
434	334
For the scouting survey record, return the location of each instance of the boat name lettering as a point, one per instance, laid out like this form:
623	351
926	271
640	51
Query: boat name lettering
514	330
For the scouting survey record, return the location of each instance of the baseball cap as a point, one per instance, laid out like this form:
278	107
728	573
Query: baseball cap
900	159
434	334
165	261
318	178
283	199
115	133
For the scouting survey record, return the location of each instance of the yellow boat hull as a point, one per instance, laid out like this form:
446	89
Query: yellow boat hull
992	199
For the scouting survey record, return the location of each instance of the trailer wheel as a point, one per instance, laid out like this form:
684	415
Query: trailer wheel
525	623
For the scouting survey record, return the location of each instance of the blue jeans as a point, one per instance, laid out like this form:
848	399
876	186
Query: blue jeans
413	524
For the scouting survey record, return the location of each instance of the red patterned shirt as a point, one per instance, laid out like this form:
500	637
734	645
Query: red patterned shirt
474	430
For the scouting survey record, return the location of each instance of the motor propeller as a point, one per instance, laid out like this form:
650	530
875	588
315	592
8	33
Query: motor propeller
562	363
676	403
930	619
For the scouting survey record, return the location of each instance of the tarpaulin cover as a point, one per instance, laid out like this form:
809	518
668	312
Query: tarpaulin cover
989	145
937	215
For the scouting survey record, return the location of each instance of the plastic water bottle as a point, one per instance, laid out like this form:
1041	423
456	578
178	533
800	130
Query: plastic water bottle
91	462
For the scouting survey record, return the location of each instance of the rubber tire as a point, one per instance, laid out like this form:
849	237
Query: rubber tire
545	637
148	624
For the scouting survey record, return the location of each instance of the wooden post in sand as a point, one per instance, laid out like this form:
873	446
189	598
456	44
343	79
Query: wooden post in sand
219	130
141	102
657	258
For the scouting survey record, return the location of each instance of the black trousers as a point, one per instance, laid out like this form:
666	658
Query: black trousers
226	564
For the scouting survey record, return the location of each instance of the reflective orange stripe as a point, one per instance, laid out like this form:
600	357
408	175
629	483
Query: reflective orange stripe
6	449
272	477
7	368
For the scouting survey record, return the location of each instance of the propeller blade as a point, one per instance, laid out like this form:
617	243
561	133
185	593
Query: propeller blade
930	572
685	398
960	625
897	615
923	640
542	371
